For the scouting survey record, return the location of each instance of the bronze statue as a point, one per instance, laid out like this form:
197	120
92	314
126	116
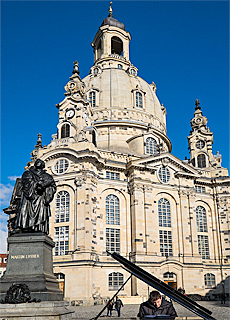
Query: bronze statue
38	189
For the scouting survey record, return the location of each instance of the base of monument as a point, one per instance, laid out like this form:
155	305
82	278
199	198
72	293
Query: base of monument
30	263
52	310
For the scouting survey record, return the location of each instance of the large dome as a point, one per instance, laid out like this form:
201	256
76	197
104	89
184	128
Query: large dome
125	109
117	89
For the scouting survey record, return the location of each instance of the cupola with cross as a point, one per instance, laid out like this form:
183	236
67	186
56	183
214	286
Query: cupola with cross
111	39
200	143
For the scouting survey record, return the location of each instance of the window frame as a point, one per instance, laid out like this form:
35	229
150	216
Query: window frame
115	245
151	145
201	219
115	281
112	208
165	240
64	132
209	280
62	214
164	213
201	161
138	99
61	244
164	177
112	175
57	167
92	100
200	189
203	246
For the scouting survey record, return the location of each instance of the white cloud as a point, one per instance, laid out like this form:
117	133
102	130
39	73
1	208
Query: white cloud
13	178
5	194
3	231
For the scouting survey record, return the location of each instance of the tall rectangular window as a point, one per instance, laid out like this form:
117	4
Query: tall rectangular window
165	243
203	246
139	103
61	239
113	240
92	98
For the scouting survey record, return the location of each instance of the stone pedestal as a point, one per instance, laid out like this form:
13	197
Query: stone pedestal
57	310
30	262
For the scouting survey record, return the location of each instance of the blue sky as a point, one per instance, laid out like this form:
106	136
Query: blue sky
183	46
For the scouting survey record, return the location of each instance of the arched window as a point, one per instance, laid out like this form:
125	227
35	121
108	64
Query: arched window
209	280
116	46
201	219
150	146
201	161
116	280
62	207
65	131
164	213
112	210
139	102
92	98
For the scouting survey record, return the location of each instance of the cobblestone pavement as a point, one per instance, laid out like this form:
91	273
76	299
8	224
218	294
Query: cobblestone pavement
219	311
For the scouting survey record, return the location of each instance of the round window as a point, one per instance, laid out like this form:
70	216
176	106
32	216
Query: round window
200	144
164	174
61	166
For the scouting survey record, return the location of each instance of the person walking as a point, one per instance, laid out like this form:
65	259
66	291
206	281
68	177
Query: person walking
109	309
223	298
156	305
118	305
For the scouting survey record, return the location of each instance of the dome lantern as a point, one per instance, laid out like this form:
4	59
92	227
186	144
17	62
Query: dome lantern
111	39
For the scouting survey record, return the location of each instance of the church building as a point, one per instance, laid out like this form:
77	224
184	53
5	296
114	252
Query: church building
120	189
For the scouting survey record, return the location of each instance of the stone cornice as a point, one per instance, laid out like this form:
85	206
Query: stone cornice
80	155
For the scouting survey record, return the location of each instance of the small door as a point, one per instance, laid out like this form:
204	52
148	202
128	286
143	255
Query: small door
61	286
171	284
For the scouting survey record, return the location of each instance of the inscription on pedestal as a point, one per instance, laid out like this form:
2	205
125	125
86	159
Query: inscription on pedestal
27	256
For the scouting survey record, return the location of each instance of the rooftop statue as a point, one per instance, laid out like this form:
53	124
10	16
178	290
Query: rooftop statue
38	189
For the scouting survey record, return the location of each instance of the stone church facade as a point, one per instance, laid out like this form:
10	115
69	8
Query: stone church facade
120	189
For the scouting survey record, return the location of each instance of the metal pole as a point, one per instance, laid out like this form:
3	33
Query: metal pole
111	299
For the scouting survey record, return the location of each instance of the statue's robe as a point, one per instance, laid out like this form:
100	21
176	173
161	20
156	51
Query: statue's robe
38	188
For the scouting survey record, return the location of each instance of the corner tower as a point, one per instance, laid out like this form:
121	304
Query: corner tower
200	143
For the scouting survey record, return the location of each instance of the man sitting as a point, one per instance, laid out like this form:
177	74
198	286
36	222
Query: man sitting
156	305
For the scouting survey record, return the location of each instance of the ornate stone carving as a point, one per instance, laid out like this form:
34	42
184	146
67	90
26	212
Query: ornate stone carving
18	293
80	180
81	136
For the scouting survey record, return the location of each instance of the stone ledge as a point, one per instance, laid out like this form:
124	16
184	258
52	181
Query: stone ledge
49	310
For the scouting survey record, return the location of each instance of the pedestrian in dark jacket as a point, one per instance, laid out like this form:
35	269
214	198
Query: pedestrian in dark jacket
109	309
118	305
156	305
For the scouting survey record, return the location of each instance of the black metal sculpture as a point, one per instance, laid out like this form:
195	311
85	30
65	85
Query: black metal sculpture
38	189
163	287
